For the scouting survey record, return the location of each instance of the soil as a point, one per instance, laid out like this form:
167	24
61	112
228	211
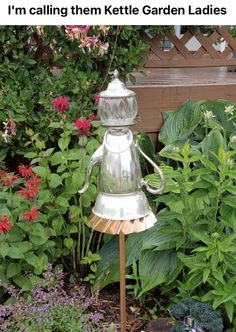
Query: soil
138	318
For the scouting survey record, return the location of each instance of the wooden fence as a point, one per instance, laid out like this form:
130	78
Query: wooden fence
180	56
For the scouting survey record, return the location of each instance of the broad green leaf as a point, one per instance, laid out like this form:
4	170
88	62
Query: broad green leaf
30	155
13	269
78	179
38	235
63	142
179	124
157	267
47	153
41	171
108	267
4	248
55	125
92	145
68	242
54	180
74	154
18	249
75	212
71	229
57	225
62	201
58	158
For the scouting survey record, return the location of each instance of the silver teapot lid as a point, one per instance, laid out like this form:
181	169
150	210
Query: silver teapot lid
116	88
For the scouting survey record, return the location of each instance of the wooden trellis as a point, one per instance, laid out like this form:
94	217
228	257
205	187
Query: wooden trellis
180	56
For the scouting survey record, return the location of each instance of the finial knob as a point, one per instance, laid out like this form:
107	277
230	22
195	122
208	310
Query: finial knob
115	74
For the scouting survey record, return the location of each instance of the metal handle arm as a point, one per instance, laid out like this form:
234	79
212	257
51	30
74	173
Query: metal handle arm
95	159
157	170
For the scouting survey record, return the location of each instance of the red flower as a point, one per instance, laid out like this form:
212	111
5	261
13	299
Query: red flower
25	171
28	193
3	173
31	215
96	98
5	224
93	117
83	126
9	180
61	104
34	181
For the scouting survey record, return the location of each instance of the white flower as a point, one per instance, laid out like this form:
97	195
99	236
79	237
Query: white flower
233	139
230	162
208	115
176	149
229	109
5	136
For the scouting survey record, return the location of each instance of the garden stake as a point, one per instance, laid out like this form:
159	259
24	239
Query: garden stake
122	282
121	207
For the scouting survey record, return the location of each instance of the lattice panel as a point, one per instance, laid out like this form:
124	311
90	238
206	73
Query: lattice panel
180	56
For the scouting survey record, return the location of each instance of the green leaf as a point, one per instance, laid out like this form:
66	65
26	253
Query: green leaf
72	229
206	273
156	267
180	124
68	242
229	307
108	267
30	155
4	248
58	158
18	249
47	153
55	125
64	142
38	235
54	180
92	145
75	212
13	269
74	154
62	201
57	225
78	179
41	171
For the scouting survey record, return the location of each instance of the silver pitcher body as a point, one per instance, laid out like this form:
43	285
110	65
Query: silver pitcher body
120	181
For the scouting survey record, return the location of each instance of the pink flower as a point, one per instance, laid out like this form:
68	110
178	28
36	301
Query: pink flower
93	117
103	48
83	126
76	31
96	98
9	129
31	215
29	193
61	104
9	180
5	224
88	42
25	171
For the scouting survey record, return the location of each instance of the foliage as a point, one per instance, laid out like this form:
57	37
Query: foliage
49	79
195	315
48	308
192	246
39	63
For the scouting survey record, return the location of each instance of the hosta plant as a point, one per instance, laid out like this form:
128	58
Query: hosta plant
191	249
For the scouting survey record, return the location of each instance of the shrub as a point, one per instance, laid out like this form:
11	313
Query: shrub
48	308
191	250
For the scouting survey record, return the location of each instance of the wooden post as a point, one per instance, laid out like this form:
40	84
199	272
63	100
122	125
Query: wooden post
122	281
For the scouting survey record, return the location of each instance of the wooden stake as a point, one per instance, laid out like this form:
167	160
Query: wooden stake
122	282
